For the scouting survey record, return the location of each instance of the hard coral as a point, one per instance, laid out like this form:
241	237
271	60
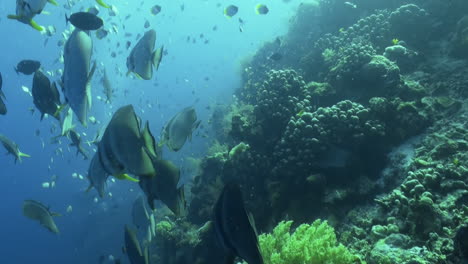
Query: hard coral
411	24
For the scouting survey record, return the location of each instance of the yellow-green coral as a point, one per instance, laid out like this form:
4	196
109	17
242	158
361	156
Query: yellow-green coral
238	149
164	228
308	244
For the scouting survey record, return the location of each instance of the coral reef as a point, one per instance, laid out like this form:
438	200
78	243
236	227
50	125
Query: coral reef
411	24
327	138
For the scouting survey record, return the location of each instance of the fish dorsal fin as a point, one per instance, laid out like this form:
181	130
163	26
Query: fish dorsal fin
89	187
54	214
196	124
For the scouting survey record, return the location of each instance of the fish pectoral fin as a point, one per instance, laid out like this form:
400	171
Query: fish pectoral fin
157	57
59	110
21	154
125	176
36	26
161	143
91	72
101	3
88	86
53	2
89	187
54	214
15	17
138	76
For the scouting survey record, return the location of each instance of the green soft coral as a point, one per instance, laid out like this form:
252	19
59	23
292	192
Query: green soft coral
308	244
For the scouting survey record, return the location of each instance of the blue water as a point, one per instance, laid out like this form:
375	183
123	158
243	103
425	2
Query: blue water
96	228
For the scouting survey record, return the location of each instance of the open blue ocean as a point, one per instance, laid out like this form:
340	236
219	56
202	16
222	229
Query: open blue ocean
326	131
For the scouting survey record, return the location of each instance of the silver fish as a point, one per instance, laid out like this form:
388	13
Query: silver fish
180	128
143	57
77	73
37	211
97	176
27	9
12	148
124	148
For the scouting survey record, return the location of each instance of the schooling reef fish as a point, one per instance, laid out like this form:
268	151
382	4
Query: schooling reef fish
76	142
143	57
133	248
27	67
231	11
124	148
179	128
77	73
46	96
234	229
97	176
39	212
85	21
12	148
163	186
27	9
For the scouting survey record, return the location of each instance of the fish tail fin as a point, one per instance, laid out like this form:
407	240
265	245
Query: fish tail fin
125	176
101	3
89	188
157	57
21	154
53	2
36	26
161	143
257	9
85	156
